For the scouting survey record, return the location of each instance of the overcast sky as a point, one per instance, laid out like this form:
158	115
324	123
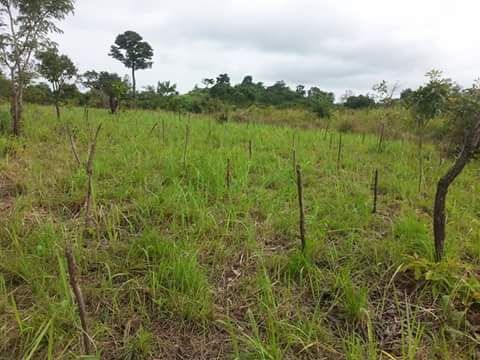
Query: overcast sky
333	44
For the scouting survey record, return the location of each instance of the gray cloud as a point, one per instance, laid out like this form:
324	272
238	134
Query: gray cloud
337	45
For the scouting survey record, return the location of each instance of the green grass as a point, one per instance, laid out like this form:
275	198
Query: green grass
180	265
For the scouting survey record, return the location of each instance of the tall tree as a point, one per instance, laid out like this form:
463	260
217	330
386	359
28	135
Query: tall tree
58	70
133	52
25	26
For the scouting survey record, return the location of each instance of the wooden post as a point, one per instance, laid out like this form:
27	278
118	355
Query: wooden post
300	207
187	130
89	171
153	128
294	160
72	145
250	149
228	174
339	152
77	291
375	191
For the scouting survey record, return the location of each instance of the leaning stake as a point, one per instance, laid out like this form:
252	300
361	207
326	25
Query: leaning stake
77	291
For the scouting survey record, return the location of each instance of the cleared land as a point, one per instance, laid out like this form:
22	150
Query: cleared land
180	265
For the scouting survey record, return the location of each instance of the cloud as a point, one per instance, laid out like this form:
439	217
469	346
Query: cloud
337	45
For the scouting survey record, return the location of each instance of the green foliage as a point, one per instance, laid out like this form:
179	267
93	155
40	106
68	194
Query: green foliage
359	102
57	69
432	99
38	94
109	84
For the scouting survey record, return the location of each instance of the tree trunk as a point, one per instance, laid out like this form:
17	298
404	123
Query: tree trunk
134	83
113	105
16	108
472	140
57	109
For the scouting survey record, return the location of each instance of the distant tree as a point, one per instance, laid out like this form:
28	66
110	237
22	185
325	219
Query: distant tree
222	88
38	94
109	84
300	90
132	52
346	95
58	70
359	102
166	88
315	93
25	26
279	94
208	82
247	80
385	92
320	102
406	96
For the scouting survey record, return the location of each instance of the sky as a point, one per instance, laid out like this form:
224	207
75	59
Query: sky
336	45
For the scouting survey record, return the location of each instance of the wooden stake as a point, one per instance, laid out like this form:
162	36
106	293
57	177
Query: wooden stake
89	171
250	149
77	291
187	130
228	174
339	152
73	146
300	207
153	128
375	191
294	160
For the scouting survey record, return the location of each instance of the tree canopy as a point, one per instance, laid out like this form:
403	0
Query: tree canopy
133	52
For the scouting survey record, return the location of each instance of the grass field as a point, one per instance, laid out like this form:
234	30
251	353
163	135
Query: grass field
180	265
